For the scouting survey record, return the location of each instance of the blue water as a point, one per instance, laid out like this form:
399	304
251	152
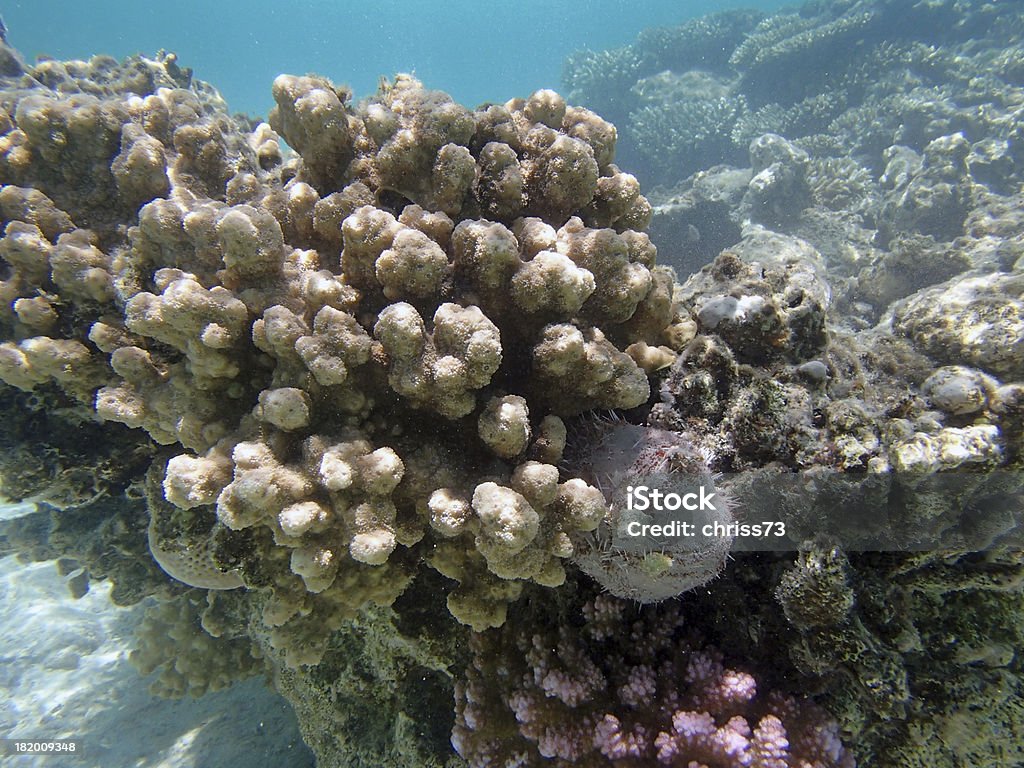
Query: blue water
477	50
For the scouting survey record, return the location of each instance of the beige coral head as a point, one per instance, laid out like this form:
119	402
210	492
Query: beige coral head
504	425
372	547
286	408
506	517
547	107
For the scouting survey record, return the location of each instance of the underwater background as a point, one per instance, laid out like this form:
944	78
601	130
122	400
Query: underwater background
335	340
476	51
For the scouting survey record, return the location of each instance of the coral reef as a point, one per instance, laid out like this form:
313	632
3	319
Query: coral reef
927	637
311	382
668	91
257	340
381	695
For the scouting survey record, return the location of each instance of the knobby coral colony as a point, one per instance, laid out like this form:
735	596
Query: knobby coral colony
291	331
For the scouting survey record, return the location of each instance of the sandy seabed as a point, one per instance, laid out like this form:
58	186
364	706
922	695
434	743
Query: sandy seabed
64	674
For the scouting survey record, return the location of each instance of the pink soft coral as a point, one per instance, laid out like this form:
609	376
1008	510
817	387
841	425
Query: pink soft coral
628	687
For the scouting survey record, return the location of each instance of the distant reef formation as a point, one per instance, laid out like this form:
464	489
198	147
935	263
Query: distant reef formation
847	79
353	393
